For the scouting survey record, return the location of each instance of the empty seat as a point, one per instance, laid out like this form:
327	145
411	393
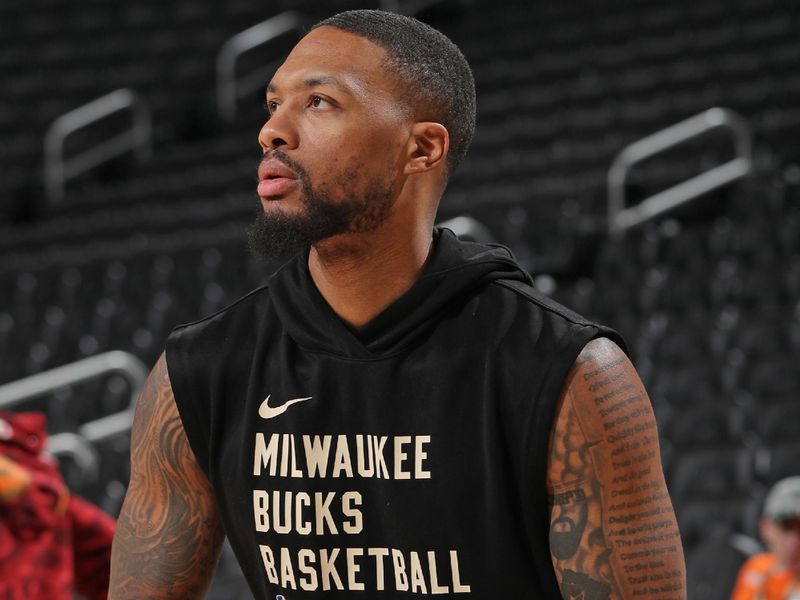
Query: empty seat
709	472
704	425
712	567
783	460
778	421
700	516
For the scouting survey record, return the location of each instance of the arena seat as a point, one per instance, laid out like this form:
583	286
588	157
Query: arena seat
705	424
783	460
702	516
717	471
712	566
779	420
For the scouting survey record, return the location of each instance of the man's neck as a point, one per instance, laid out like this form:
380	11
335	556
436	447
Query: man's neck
360	275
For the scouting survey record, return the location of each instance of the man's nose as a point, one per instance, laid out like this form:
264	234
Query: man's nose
277	132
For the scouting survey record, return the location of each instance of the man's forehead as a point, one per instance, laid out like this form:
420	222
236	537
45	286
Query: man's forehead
331	52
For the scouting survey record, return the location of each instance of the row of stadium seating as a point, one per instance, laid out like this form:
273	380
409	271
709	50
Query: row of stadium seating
561	91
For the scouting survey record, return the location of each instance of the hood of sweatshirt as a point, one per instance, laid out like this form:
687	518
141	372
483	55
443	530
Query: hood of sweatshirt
455	271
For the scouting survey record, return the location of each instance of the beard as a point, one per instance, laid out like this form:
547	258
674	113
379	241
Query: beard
357	208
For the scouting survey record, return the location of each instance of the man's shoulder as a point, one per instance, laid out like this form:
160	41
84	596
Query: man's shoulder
529	296
543	314
241	309
196	347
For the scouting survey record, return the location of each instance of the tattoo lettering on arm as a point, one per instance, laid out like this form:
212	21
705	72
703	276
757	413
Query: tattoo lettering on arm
613	533
168	535
577	540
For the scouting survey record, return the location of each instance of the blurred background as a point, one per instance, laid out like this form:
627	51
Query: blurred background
127	179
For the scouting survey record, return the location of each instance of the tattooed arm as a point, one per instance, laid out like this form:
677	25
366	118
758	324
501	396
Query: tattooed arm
168	535
613	534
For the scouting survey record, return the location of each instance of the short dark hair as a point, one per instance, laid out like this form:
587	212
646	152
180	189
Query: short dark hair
444	89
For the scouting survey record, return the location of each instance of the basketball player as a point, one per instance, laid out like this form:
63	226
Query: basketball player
396	413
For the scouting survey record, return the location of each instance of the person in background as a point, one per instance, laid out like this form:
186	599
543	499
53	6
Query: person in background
775	574
52	543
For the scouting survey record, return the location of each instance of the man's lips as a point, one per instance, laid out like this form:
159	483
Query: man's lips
275	178
275	186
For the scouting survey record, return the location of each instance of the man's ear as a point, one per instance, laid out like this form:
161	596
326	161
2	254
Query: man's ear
427	148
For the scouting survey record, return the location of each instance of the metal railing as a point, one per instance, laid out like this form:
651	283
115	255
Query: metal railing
58	170
230	87
620	218
17	392
80	450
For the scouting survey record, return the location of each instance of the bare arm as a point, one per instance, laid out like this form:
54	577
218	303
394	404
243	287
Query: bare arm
169	535
613	534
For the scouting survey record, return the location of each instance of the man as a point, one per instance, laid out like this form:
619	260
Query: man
396	412
775	574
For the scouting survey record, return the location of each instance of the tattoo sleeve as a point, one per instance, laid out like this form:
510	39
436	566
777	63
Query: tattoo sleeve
168	535
613	533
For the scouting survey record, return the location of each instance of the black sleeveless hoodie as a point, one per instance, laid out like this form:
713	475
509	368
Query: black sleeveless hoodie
404	459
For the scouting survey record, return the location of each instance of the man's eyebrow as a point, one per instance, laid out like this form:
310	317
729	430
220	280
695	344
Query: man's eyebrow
313	81
325	80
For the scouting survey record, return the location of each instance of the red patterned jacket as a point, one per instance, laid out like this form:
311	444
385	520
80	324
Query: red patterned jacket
52	544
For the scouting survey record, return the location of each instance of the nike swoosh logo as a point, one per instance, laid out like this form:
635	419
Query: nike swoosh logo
265	411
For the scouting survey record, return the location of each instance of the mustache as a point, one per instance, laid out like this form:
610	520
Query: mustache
288	161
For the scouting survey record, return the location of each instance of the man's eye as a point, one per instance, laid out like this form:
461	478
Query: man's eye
270	106
317	101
